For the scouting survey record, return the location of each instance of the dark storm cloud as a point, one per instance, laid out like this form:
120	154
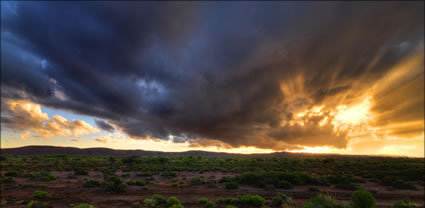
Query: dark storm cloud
104	125
209	70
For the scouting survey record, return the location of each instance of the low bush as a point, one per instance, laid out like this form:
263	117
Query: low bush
401	184
313	189
169	174
322	201
37	204
84	205
232	185
197	181
282	200
92	183
80	171
149	203
203	200
43	176
362	199
11	173
253	200
172	201
209	204
114	184
404	204
136	183
40	195
225	179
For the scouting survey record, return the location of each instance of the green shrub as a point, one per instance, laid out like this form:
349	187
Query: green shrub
84	205
7	180
80	171
136	183
169	174
11	173
313	189
172	201
203	200
159	199
322	201
282	200
114	184
91	183
209	204
149	202
401	184
404	204
347	186
43	176
223	201
40	195
225	179
177	206
231	206
232	185
197	181
362	199
37	204
255	200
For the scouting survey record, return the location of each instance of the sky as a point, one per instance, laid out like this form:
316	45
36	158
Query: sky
243	77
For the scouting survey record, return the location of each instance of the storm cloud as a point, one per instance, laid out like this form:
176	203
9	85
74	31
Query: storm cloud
232	72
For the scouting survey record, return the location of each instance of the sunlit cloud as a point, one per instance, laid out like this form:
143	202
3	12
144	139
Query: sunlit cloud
27	117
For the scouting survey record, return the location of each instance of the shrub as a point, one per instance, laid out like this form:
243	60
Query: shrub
226	200
115	184
149	202
84	205
313	189
347	186
225	179
404	204
362	199
80	171
209	204
255	200
136	183
169	174
232	185
91	183
285	185
282	199
40	195
322	201
6	180
203	200
11	173
43	176
401	184
159	199
177	206
172	201
231	206
37	204
197	181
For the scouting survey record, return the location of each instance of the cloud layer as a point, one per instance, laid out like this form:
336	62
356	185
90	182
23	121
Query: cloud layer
217	73
26	118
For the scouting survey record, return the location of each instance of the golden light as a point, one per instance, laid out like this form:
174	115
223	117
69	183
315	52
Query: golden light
349	116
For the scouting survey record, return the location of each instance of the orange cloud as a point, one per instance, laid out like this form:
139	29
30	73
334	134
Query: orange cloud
27	117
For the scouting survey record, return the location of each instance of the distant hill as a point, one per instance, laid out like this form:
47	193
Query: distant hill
54	150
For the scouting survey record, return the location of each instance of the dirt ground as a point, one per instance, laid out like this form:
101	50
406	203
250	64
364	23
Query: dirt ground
66	191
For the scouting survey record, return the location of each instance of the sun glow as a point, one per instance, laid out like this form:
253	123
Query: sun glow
349	116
